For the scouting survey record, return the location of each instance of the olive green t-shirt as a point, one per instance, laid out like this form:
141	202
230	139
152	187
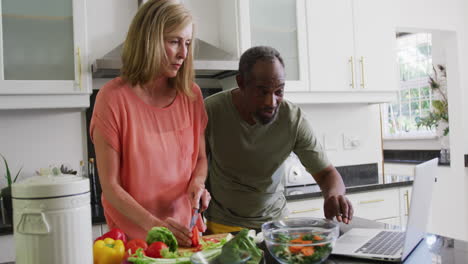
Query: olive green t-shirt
244	181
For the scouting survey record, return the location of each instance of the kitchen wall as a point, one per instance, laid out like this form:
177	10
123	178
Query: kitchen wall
337	125
37	138
448	16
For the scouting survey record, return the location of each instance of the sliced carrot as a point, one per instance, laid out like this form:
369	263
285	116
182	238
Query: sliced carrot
307	241
308	251
295	249
296	241
317	237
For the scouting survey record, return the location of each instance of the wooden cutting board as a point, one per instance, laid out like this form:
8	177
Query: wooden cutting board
216	236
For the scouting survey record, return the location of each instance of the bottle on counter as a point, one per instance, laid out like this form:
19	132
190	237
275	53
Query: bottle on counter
83	171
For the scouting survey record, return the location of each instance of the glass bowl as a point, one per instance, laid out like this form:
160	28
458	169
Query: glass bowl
214	257
300	240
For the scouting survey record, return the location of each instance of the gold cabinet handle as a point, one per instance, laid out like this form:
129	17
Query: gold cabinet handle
406	195
371	201
351	63
305	210
78	59
362	72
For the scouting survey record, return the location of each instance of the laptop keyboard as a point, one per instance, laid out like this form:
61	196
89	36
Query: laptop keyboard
384	243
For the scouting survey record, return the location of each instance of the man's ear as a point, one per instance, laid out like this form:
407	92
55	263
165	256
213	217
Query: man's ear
240	81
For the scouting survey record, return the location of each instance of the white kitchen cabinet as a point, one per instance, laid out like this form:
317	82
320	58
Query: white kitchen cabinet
375	205
405	202
306	208
336	51
43	54
351	47
284	28
388	206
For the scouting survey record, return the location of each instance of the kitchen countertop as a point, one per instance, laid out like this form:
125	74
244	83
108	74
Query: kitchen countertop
433	249
313	191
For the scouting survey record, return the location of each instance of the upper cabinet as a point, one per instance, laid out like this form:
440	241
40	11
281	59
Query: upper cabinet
335	51
43	54
352	56
280	24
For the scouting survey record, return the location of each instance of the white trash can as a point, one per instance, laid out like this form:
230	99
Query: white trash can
52	220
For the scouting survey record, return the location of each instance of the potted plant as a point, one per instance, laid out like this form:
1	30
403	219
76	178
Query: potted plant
439	114
438	117
6	192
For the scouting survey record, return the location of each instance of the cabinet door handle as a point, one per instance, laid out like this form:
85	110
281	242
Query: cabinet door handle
305	210
371	201
78	59
362	72
406	195
351	64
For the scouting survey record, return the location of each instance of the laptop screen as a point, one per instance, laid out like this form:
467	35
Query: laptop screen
424	178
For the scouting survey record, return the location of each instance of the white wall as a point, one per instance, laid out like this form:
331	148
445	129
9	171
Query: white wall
355	121
33	139
449	15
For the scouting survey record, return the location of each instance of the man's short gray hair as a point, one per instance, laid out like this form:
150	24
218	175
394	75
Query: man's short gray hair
254	54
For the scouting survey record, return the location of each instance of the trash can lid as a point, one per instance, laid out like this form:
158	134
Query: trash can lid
38	187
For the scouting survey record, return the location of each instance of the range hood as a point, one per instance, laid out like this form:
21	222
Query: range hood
210	62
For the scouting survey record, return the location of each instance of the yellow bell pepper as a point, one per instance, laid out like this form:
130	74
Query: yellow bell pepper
108	251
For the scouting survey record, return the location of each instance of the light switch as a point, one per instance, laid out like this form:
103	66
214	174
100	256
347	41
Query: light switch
350	142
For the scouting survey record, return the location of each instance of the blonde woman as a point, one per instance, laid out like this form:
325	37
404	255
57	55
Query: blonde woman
148	128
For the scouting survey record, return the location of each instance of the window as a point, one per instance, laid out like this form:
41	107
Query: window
414	101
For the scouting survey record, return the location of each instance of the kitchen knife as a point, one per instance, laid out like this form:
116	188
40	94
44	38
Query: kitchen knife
194	218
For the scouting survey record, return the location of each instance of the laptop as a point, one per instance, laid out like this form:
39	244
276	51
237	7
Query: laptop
394	245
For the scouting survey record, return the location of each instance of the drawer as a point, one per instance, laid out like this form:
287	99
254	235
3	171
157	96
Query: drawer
306	208
375	205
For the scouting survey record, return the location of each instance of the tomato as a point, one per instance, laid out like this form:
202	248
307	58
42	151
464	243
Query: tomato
195	237
135	244
154	250
214	240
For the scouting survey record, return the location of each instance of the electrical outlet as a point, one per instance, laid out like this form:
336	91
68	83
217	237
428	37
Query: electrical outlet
350	142
328	143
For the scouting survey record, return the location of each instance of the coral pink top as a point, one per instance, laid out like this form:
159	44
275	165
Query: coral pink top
158	150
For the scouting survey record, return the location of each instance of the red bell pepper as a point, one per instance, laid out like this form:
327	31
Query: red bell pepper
114	233
195	237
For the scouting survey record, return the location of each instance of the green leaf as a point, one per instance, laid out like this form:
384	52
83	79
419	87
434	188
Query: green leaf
8	174
17	174
446	131
438	105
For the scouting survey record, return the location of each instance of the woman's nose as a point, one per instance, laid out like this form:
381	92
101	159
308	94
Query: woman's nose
182	52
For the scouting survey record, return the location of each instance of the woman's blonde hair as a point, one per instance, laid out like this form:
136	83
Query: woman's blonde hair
144	55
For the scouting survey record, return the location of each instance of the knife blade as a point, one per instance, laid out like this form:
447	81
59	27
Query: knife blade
194	218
